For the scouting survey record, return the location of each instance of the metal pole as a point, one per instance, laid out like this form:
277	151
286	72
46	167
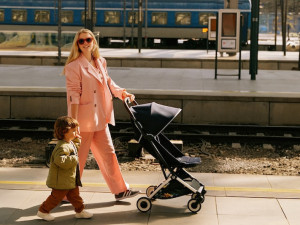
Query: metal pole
140	25
85	13
299	53
132	21
254	38
284	33
124	24
240	48
89	15
146	23
59	33
216	55
276	17
283	24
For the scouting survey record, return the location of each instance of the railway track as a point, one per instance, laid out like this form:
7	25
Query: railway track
282	135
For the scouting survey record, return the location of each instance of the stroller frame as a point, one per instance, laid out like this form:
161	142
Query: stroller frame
184	182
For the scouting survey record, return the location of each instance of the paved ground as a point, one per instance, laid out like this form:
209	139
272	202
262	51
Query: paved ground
231	200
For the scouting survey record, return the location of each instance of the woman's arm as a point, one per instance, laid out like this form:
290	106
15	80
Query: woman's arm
116	90
74	111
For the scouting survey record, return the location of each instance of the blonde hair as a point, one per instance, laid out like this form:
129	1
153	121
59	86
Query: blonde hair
75	50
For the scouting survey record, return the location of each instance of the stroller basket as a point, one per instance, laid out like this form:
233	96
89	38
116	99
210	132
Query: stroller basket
149	120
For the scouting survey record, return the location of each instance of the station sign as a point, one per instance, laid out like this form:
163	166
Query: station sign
229	30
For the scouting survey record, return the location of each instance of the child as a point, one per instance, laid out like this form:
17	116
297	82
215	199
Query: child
63	176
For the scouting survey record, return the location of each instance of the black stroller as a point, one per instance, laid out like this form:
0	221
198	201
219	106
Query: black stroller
149	120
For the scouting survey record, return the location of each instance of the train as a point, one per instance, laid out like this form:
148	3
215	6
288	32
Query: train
163	22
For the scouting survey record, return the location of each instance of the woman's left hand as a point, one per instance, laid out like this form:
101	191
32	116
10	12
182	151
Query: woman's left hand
128	95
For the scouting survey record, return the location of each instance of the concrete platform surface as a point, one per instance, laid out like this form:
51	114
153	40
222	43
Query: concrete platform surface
272	99
231	200
162	53
161	58
268	83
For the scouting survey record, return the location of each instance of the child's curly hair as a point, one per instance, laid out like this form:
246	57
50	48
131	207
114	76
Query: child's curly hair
62	125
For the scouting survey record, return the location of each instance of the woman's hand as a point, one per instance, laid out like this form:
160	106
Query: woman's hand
128	95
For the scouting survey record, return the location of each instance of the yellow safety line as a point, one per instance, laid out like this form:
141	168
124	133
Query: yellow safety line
237	189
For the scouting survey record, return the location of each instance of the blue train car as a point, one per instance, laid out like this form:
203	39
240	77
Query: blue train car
167	20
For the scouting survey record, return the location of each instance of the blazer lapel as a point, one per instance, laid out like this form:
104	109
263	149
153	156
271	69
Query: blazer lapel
102	70
90	69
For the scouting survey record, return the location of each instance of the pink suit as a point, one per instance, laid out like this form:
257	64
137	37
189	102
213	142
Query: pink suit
88	87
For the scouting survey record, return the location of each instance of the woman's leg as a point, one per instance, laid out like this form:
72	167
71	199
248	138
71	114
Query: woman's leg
104	153
84	149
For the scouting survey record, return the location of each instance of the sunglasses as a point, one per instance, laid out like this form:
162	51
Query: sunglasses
81	40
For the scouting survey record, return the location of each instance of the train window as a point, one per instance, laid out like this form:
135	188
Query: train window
83	17
183	18
159	18
18	15
134	16
112	17
42	16
67	16
1	14
203	18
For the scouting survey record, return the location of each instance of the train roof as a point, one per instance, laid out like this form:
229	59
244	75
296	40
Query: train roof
172	4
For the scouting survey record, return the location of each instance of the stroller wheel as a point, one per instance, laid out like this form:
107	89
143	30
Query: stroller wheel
198	196
144	204
150	190
194	205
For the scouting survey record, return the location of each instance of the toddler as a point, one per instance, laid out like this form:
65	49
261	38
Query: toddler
64	176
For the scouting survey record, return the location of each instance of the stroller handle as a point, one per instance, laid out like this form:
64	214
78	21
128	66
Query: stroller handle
127	104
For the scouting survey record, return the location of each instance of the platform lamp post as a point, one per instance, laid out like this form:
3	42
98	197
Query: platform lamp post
254	38
59	33
89	12
299	52
140	25
284	6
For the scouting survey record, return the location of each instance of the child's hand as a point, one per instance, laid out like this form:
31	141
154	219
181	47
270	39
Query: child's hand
78	132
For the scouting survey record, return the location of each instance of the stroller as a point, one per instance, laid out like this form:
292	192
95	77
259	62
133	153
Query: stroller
149	120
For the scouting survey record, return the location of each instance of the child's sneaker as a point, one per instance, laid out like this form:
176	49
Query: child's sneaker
45	216
126	194
83	214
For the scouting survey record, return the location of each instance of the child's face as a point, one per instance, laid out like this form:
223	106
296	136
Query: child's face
71	134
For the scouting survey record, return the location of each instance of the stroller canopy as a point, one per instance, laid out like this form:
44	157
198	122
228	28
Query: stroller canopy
154	117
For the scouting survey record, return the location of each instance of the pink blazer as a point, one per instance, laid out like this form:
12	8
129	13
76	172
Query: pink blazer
88	87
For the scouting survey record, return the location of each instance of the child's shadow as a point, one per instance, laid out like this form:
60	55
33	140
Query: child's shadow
28	216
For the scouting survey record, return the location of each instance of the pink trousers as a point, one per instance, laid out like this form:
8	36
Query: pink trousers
101	145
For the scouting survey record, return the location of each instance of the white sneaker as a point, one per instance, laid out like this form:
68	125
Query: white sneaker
83	214
45	216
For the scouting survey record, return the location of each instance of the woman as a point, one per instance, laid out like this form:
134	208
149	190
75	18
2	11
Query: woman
89	97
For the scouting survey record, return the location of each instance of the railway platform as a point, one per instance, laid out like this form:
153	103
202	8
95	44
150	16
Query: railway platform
272	99
161	58
231	199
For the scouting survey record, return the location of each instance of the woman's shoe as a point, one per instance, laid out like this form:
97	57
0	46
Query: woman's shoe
126	194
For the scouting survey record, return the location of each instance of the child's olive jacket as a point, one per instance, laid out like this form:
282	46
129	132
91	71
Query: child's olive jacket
64	167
